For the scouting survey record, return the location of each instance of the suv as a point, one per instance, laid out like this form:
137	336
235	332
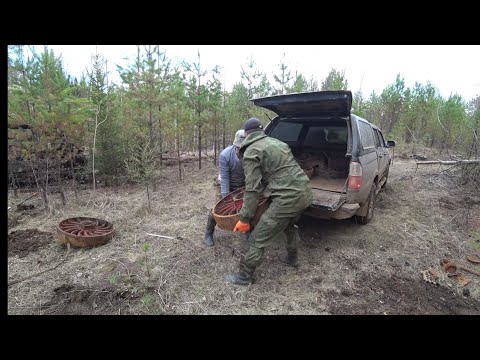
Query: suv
345	157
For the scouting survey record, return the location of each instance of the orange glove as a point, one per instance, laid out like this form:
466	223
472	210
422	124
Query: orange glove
242	227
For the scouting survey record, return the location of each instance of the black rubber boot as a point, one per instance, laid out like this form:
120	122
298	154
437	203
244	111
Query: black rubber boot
290	259
208	239
243	277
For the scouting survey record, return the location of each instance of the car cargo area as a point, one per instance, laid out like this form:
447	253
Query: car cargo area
319	146
328	173
326	170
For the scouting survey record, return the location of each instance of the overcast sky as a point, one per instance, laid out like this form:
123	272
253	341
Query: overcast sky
451	68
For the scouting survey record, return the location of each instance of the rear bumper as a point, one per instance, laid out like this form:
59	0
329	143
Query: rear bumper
345	211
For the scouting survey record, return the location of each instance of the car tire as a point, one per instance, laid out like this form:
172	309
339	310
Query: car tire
363	220
386	178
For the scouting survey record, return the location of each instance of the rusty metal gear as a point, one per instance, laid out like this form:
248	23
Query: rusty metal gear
85	231
227	211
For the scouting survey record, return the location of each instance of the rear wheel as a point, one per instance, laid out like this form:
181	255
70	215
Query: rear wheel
370	206
386	178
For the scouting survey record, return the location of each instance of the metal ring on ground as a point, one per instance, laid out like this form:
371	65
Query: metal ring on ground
85	232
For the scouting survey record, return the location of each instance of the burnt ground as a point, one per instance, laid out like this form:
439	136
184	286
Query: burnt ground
420	218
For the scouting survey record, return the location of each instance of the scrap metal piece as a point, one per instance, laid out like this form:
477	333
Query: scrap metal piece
85	232
226	212
452	268
474	259
461	279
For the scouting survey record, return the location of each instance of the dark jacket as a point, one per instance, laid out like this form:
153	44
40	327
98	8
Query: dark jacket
269	166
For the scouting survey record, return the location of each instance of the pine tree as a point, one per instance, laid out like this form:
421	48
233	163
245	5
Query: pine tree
197	97
335	80
283	78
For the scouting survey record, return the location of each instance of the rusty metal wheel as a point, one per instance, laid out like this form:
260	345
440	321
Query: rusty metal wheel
227	211
85	231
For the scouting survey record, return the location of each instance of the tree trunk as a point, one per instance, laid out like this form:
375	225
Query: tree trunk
215	142
223	135
474	147
72	156
46	178
29	111
12	175
93	154
40	189
199	147
60	185
205	141
74	177
178	156
160	137
150	122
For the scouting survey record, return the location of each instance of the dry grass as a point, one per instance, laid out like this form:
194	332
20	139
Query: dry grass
420	218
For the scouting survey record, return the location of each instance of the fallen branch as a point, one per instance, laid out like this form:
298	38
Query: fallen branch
448	162
454	163
162	236
41	272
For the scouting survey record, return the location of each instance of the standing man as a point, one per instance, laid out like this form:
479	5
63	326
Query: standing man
231	178
268	163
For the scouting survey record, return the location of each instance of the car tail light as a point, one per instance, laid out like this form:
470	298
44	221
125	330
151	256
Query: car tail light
355	176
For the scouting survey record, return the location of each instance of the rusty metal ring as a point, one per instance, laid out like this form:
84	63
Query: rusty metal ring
85	231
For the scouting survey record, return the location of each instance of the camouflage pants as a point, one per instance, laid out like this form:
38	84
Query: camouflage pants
269	228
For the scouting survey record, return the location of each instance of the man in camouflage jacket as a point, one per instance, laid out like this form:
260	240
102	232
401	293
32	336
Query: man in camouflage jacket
270	169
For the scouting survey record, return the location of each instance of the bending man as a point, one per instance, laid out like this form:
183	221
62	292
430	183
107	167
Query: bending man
270	166
231	178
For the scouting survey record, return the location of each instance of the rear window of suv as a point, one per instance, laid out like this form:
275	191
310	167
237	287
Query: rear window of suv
313	135
319	135
287	131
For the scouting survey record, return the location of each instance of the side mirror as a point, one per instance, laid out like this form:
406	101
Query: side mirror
391	143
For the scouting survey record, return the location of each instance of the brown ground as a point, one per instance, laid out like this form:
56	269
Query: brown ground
345	268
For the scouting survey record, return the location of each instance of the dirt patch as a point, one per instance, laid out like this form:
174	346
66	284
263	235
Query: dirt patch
69	299
23	242
397	295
